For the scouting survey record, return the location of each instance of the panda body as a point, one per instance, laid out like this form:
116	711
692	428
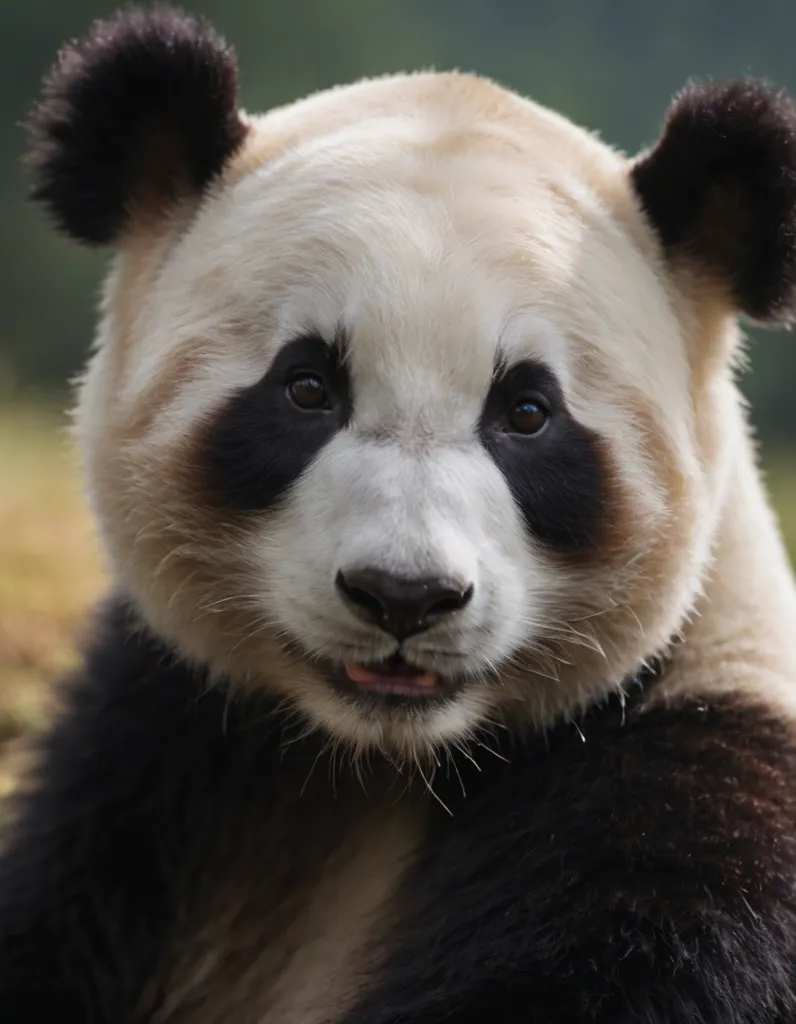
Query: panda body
449	672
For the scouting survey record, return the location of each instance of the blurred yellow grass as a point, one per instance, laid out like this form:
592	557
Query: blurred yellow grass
51	570
50	566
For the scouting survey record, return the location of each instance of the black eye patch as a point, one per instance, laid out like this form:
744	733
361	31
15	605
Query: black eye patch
558	476
261	441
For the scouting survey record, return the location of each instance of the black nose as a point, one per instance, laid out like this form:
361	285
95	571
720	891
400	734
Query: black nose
401	607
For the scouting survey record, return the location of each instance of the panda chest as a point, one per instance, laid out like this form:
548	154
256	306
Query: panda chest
287	919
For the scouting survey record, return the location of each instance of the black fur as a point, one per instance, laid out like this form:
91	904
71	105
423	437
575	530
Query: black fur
644	876
559	479
721	185
140	112
136	773
260	443
642	873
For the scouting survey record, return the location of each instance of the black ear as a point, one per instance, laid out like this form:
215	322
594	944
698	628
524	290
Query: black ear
136	115
720	187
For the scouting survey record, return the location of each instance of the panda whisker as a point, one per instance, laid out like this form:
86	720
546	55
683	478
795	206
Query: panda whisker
579	639
336	750
430	787
261	626
609	606
317	758
515	665
634	615
451	760
181	589
357	762
494	753
398	767
496	723
309	729
465	753
243	600
574	641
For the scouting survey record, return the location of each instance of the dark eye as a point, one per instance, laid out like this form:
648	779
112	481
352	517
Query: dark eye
308	391
527	416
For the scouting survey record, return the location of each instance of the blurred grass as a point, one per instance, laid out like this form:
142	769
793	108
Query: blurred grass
51	570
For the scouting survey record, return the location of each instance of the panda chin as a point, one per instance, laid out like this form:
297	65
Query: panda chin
394	682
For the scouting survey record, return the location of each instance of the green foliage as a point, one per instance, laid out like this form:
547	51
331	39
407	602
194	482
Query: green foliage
612	66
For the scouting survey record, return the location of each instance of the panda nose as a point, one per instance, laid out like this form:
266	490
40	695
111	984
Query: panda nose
400	606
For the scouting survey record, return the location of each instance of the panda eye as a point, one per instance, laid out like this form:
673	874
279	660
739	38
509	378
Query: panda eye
308	391
528	416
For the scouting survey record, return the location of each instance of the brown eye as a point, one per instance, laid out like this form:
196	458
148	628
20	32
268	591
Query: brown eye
308	391
527	416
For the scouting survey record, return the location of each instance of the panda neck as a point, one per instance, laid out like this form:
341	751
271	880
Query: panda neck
742	636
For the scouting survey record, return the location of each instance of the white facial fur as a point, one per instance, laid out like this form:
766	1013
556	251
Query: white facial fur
437	221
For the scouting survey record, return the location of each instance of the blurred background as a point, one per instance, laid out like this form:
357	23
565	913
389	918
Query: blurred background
611	65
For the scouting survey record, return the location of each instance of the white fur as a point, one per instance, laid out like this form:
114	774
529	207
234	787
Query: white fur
363	212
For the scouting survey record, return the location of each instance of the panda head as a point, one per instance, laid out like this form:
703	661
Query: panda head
411	403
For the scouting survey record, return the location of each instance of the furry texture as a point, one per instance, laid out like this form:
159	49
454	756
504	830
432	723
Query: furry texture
631	860
260	443
133	768
647	875
647	866
720	185
562	486
363	223
140	113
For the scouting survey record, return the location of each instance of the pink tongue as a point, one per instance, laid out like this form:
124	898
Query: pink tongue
364	676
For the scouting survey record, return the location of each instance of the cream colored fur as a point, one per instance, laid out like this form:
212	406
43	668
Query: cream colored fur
290	937
435	217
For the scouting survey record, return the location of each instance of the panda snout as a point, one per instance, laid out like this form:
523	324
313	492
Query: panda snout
401	606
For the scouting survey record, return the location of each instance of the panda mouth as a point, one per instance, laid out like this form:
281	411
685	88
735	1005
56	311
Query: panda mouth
394	678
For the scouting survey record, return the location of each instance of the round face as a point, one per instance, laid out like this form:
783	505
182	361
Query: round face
399	424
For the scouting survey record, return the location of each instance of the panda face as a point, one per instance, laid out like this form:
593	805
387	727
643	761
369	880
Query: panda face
398	423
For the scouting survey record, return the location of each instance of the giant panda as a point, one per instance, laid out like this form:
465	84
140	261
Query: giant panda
449	670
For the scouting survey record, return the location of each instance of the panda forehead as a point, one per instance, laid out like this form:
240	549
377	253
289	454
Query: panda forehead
434	278
372	347
391	213
413	282
416	360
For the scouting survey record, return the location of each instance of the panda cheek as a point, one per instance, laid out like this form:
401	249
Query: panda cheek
561	492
